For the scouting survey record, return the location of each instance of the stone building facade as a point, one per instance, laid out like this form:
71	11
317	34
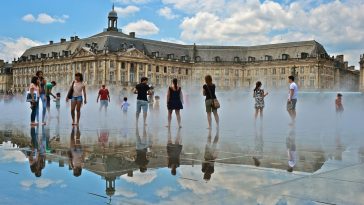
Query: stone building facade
6	77
115	58
361	73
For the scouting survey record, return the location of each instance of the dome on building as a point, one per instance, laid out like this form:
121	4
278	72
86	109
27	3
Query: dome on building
112	13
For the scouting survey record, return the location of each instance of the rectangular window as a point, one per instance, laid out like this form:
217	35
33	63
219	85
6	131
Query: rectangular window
274	71
122	65
186	71
302	69
283	71
157	69
149	68
165	69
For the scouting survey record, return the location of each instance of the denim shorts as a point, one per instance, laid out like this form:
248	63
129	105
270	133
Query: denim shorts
104	103
141	104
78	98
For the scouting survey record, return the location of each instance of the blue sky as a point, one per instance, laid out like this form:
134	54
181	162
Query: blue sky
336	24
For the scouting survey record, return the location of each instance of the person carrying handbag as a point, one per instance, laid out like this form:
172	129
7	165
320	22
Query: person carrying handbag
33	98
211	102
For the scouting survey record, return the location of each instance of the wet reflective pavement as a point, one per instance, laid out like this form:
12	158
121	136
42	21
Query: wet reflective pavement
108	159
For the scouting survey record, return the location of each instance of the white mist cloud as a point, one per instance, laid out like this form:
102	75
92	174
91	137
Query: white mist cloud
142	27
44	18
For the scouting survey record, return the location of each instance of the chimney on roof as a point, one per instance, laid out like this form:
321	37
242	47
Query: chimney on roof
50	42
76	38
72	38
132	34
63	40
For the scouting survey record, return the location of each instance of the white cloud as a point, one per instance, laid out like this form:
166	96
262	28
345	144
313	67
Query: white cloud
29	18
164	192
14	48
167	13
173	40
193	6
132	1
125	193
41	183
44	18
142	27
336	24
129	10
141	178
8	153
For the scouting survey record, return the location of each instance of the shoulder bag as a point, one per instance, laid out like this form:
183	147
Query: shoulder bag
70	91
215	102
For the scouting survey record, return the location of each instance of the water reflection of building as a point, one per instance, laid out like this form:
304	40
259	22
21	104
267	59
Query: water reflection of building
115	58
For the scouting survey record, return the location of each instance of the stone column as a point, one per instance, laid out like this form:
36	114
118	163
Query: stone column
94	78
127	72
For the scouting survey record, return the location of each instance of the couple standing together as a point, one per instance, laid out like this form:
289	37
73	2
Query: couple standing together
259	96
175	100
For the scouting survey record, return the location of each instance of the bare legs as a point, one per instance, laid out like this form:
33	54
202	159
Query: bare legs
178	115
76	105
292	114
257	112
144	117
216	116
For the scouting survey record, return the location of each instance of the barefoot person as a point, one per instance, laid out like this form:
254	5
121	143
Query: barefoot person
259	96
209	92
104	97
292	99
174	102
76	101
142	90
42	96
34	102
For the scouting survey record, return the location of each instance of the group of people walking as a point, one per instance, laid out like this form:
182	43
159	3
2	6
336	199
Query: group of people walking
40	90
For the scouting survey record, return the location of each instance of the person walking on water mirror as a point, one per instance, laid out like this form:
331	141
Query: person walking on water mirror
75	95
209	92
142	90
104	97
292	99
259	96
42	96
34	101
174	102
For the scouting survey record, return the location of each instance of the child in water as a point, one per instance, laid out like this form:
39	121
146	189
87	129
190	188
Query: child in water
338	104
125	105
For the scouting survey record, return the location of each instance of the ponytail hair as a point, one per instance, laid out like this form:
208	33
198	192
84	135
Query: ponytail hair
257	86
175	81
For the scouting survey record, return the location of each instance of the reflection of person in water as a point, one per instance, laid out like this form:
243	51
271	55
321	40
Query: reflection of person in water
141	150
258	152
174	151
103	137
33	154
76	153
291	150
208	166
37	153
